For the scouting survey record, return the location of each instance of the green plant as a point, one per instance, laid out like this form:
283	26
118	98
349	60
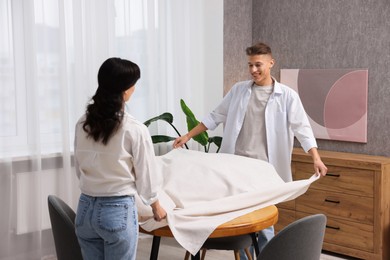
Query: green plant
203	138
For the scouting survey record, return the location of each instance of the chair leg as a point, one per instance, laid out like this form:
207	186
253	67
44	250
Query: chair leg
255	244
236	254
248	254
204	250
197	256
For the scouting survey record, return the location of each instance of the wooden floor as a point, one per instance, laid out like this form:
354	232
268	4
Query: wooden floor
171	250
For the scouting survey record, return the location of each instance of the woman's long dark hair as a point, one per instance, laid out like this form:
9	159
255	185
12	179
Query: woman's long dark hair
104	114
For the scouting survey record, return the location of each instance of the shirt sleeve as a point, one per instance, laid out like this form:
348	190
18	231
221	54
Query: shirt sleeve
219	114
300	124
147	175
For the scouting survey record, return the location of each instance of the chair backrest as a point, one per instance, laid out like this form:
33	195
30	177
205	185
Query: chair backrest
301	240
62	219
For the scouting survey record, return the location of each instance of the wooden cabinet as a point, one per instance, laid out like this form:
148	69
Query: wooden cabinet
355	197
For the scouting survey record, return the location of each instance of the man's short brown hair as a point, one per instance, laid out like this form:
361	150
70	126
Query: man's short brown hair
258	49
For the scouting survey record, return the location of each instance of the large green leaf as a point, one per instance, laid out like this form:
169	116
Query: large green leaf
162	139
168	117
202	138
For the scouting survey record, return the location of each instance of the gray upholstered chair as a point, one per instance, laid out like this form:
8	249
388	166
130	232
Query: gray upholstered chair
62	219
301	240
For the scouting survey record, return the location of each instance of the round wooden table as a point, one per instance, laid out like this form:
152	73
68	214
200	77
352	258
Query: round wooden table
246	224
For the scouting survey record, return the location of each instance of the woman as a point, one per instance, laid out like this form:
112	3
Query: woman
114	160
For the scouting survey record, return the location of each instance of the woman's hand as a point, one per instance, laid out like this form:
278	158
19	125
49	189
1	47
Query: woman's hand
159	212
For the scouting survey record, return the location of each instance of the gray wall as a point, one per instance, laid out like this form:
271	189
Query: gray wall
321	35
237	35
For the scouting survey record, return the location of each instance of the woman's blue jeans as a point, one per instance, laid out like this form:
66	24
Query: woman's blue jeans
107	227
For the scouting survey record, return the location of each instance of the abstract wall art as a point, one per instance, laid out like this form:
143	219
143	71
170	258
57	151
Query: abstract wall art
335	101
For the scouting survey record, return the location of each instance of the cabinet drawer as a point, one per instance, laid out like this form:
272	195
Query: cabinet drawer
348	234
348	207
285	217
339	179
287	205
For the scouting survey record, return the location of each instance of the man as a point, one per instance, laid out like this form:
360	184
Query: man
261	118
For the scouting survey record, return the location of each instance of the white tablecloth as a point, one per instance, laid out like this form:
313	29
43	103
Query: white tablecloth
204	190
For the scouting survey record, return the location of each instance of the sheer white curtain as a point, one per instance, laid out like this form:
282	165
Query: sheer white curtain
50	51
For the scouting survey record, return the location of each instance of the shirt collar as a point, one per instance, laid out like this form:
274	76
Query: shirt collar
277	88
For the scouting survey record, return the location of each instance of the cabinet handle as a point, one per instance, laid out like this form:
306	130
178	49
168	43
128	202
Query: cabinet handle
333	201
337	228
333	175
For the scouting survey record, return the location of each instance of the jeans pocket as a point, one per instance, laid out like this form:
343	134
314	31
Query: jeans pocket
81	211
112	216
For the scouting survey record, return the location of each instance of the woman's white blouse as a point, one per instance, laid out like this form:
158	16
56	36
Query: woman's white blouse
125	166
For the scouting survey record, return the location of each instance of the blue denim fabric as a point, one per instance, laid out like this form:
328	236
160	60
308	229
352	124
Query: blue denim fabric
107	227
264	236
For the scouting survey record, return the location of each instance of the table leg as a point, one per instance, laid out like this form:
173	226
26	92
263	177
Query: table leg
255	245
155	248
196	257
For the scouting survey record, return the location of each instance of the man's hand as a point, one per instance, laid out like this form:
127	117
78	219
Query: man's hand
180	141
319	166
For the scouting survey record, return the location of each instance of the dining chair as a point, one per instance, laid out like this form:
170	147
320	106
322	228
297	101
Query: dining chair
62	219
301	239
